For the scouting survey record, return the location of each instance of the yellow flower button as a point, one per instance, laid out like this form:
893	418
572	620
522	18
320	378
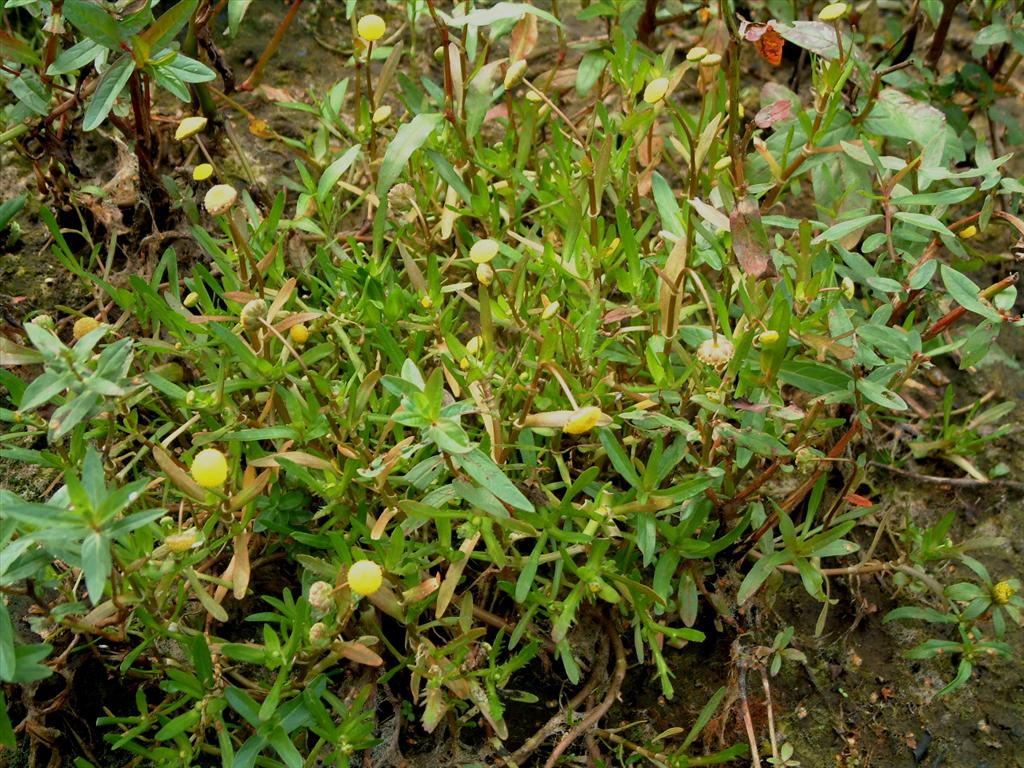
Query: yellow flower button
202	172
656	90
371	27
365	577
483	251
190	126
210	468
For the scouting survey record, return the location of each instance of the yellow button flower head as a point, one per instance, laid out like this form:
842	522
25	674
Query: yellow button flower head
656	90
550	310
696	53
711	60
1002	592
968	232
723	163
202	172
210	468
319	633
365	577
298	333
219	199
84	325
585	419
381	114
768	338
371	27
483	251
833	11
190	126
426	302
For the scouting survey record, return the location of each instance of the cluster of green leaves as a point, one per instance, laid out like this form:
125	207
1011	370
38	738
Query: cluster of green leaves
424	424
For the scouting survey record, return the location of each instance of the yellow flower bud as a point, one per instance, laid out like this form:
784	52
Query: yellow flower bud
968	232
381	114
84	325
723	163
202	172
464	363
365	577
210	468
849	289
219	199
182	541
656	90
298	333
533	96
191	300
190	126
833	11
514	73
768	338
426	302
252	314
585	419
549	311
483	251
711	60
696	53
485	274
371	27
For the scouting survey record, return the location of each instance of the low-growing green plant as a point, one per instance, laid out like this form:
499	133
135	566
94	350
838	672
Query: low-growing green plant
531	362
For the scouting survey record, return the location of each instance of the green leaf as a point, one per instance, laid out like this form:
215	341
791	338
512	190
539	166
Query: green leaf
75	57
96	23
7	738
881	395
410	137
96	564
236	12
162	31
189	70
617	456
965	292
668	208
8	658
924	221
333	172
759	574
107	90
704	717
838	231
816	378
480	467
502	11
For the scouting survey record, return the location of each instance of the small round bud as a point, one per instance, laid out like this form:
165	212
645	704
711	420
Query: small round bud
849	289
210	468
202	172
485	274
402	197
768	338
219	199
319	634
426	302
191	300
483	251
371	27
321	596
381	114
464	363
723	163
968	232
514	73
84	325
711	60
549	311
181	542
533	96
656	90
833	11
189	127
365	577
439	53
298	334
696	53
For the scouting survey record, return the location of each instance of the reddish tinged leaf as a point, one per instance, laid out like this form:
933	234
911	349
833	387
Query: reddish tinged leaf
859	501
749	239
773	113
524	38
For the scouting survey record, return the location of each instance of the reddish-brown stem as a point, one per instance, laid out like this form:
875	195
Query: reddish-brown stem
257	72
